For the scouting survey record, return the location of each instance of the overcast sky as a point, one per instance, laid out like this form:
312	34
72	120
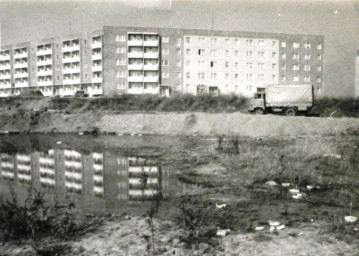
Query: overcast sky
23	21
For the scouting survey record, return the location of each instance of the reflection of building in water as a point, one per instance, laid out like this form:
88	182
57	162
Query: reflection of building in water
23	165
47	168
7	166
73	171
97	166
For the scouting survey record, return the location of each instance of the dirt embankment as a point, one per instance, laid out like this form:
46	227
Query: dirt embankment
205	124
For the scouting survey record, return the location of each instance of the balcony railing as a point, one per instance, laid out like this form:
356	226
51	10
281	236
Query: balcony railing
44	73
21	65
71	59
135	42
135	54
71	81
150	43
44	52
97	68
135	78
71	70
96	45
7	76
44	62
20	55
44	83
6	57
96	56
5	67
97	80
21	75
151	79
135	66
151	67
71	48
152	55
22	84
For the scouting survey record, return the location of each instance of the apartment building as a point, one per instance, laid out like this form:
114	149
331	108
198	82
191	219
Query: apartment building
356	82
143	60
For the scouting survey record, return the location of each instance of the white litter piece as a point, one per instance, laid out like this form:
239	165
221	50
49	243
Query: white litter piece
58	142
294	191
310	187
350	219
133	134
223	232
298	196
272	229
271	183
81	133
281	227
120	134
285	184
273	223
140	134
259	228
220	206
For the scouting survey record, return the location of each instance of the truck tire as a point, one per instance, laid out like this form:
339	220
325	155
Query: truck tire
259	111
290	112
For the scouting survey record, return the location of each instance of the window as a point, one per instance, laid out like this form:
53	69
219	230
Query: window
249	76
307	56
274	65
236	64
213	75
226	76
214	40
227	53
178	75
274	54
214	52
121	86
188	63
236	76
274	77
274	43
283	44
307	46
201	75
165	63
319	57
165	75
296	45
283	56
249	65
295	67
236	53
188	39
319	46
296	56
283	78
178	41
120	49
188	51
261	65
120	38
306	79
260	54
249	54
201	52
213	64
295	78
283	67
165	39
165	51
236	42
121	62
188	75
202	40
178	51
249	42
319	68
226	64
121	74
260	77
319	79
178	63
227	41
261	42
306	67
201	63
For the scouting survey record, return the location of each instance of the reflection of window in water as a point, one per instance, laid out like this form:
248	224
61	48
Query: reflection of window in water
98	174
7	166
47	168
73	171
23	165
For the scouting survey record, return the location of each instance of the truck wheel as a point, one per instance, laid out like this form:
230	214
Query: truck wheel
259	111
290	112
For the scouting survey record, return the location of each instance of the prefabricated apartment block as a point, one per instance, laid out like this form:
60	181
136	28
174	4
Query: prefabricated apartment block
147	60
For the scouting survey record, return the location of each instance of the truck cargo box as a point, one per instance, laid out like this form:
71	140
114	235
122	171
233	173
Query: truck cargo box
289	94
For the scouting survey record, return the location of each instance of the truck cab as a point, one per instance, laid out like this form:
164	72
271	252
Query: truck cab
257	103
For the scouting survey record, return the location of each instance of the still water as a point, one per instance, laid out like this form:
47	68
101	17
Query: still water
106	174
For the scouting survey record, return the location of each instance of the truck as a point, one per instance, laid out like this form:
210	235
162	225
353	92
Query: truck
283	98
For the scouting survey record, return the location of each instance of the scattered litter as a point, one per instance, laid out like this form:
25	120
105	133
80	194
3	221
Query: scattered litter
298	196
350	219
259	228
310	187
294	191
140	134
271	183
281	227
58	142
300	234
336	156
120	134
273	223
133	134
355	229
220	206
285	184
223	232
81	133
4	132
272	229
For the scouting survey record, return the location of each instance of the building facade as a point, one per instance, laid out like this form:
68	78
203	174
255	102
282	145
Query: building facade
356	83
142	60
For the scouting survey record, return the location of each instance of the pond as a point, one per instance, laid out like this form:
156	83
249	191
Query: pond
100	174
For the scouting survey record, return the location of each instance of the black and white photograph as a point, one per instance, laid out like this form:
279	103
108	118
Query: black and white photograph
179	127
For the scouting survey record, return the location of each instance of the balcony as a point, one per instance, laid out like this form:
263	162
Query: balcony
135	78
97	80
4	86
44	52
151	55
135	66
4	57
21	75
44	73
71	59
97	68
135	42
20	55
96	45
22	84
71	48
151	79
44	62
135	55
151	67
71	70
151	43
20	65
151	90
44	83
5	67
96	56
71	81
7	76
